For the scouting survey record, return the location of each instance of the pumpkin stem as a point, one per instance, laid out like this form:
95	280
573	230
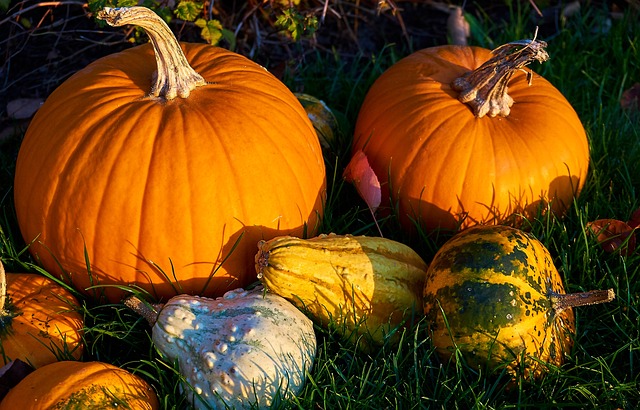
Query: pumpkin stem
174	77
561	302
485	88
148	311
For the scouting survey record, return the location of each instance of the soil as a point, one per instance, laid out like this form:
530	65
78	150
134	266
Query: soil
42	44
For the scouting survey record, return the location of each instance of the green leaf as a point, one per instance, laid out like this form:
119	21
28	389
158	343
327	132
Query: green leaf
211	30
188	10
166	13
25	22
230	37
296	24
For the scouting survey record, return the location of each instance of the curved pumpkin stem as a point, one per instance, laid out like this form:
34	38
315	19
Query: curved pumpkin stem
485	88
560	302
175	77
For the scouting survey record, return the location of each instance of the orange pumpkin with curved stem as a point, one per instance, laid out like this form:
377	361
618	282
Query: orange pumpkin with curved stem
445	163
39	320
166	183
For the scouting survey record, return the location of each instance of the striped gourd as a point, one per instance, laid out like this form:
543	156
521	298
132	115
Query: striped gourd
494	293
364	285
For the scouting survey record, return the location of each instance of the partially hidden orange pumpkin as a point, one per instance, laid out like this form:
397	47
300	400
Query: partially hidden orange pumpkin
166	179
460	135
81	385
40	321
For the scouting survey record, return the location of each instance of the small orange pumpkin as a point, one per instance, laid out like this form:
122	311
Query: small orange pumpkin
81	385
166	180
39	320
446	164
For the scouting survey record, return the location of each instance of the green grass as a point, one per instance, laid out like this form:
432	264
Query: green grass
591	68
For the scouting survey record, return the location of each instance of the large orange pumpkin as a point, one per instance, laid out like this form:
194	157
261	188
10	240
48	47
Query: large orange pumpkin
444	163
168	190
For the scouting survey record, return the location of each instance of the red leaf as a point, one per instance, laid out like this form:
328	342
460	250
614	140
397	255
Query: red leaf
630	99
360	173
613	235
634	222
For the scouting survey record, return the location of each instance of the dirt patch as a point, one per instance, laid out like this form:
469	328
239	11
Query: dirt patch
44	43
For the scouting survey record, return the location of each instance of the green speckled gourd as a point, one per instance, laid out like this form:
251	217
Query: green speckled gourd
367	286
246	349
494	293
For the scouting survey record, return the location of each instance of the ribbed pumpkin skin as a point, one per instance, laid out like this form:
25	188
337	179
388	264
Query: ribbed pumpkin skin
140	181
445	167
345	279
81	385
46	324
493	284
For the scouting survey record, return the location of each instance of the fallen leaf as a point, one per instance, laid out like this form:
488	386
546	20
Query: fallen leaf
630	99
458	27
11	374
572	8
613	235
23	108
634	221
360	173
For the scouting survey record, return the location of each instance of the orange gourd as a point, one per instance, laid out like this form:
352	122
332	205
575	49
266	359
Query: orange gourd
166	179
443	163
39	320
81	385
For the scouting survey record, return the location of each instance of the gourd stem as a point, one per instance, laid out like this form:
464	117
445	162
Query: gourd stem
148	311
561	302
174	77
485	88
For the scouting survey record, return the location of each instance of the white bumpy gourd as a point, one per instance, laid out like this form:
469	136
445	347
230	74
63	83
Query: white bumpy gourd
246	349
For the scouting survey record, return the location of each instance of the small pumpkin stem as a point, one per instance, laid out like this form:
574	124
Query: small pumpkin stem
561	302
485	88
174	77
148	311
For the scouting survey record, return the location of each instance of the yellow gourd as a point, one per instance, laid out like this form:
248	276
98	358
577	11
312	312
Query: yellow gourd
366	286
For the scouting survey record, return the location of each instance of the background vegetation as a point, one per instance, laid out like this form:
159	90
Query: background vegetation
334	51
